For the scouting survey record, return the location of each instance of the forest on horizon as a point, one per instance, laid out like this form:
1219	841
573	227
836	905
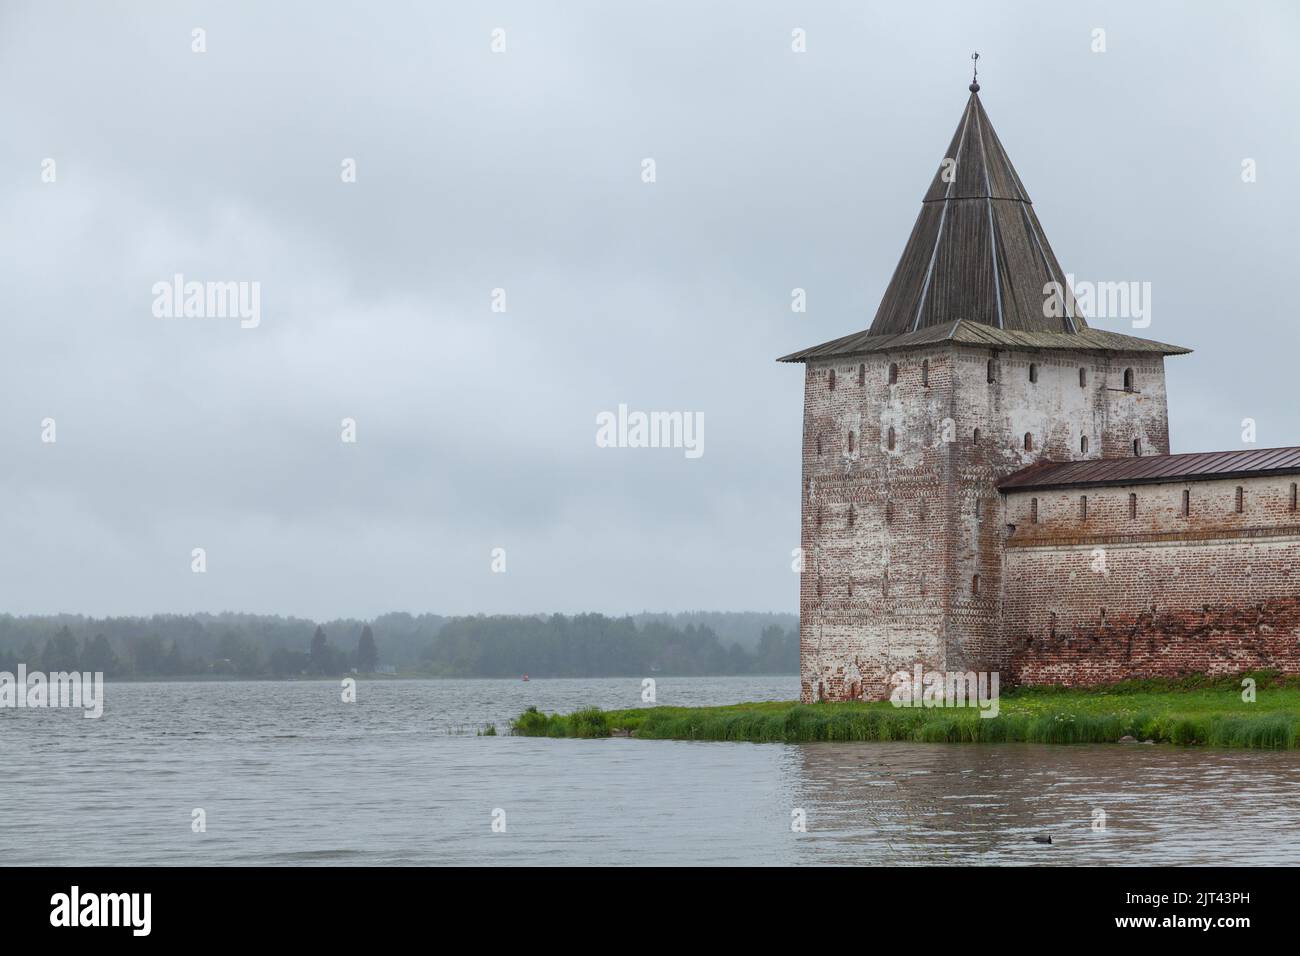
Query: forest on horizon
271	646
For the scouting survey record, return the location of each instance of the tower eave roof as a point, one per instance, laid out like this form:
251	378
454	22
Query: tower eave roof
965	332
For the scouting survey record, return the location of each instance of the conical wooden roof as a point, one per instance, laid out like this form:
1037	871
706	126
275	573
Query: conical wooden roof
978	257
977	252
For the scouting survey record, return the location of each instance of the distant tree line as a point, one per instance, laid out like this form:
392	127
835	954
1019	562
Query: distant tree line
232	645
593	645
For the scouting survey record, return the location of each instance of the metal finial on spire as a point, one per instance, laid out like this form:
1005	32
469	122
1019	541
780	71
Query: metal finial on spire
975	77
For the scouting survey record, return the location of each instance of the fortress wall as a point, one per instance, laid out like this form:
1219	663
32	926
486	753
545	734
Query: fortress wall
1138	589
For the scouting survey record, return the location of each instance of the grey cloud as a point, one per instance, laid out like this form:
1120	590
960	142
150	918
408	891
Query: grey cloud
520	171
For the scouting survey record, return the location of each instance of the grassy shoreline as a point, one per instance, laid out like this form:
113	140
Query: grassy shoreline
1193	711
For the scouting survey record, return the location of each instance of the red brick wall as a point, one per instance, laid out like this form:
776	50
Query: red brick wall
1156	593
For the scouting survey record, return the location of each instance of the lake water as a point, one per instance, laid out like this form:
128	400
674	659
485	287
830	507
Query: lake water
288	774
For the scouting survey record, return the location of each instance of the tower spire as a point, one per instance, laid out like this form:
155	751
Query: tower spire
977	268
975	77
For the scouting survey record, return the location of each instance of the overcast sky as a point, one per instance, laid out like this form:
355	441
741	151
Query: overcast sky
522	170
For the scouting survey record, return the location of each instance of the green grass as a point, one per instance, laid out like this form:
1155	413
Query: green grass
1194	711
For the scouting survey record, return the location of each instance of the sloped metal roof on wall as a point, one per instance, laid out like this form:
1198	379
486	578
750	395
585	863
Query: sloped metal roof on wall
978	258
1197	466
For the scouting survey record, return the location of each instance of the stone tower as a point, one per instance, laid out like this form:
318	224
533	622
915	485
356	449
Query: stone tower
975	366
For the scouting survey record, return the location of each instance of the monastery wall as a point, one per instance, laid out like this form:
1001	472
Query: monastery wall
1152	580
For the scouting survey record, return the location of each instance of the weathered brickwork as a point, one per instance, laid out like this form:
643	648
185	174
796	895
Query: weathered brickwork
903	532
1143	582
